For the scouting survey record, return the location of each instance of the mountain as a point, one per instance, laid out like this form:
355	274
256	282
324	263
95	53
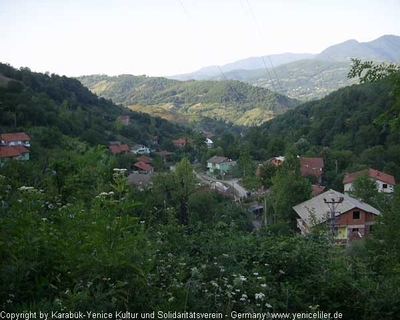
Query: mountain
252	63
230	101
385	48
306	76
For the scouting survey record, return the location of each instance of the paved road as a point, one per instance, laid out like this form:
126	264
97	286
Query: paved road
240	191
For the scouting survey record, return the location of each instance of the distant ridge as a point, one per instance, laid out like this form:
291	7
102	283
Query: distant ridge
251	63
304	76
385	48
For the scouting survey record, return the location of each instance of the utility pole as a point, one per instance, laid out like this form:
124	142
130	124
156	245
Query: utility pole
333	204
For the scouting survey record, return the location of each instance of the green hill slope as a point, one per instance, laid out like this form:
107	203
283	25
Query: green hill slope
304	80
231	101
55	106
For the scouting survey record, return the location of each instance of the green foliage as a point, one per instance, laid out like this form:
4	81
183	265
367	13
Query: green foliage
266	174
51	106
367	72
229	101
288	189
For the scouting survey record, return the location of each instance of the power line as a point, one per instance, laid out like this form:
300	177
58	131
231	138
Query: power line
184	9
263	59
270	60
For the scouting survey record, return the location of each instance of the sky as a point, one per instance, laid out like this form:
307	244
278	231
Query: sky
169	37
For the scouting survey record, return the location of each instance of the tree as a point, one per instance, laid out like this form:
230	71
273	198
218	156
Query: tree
289	189
266	173
368	72
366	189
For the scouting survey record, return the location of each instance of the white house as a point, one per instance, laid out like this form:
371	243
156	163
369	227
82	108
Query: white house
385	182
14	139
209	142
140	149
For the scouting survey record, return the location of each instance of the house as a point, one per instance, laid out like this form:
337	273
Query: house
124	120
154	140
277	161
164	153
312	167
143	167
317	189
222	164
17	152
385	182
15	138
140	149
119	148
139	180
353	219
145	159
209	142
179	143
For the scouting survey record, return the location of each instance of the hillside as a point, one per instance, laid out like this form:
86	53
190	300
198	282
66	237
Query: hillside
52	106
304	76
230	101
304	80
340	127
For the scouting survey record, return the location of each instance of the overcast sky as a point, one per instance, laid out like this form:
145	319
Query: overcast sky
167	37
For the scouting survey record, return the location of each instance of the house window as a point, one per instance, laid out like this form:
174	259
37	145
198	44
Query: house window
355	230
356	215
384	186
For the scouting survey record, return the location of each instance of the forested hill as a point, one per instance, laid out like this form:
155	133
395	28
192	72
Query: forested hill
340	127
230	101
52	106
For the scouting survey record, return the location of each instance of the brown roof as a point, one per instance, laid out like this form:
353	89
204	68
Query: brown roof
143	166
145	159
312	162
374	174
179	142
115	149
21	149
15	136
311	167
317	189
9	152
217	159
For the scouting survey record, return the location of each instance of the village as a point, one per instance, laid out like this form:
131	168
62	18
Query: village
344	217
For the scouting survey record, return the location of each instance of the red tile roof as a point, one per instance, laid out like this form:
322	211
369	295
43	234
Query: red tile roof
312	162
9	152
317	189
311	167
115	149
143	166
21	149
374	174
179	142
15	136
12	151
145	159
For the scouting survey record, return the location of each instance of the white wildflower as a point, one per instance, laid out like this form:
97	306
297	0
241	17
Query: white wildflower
260	296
